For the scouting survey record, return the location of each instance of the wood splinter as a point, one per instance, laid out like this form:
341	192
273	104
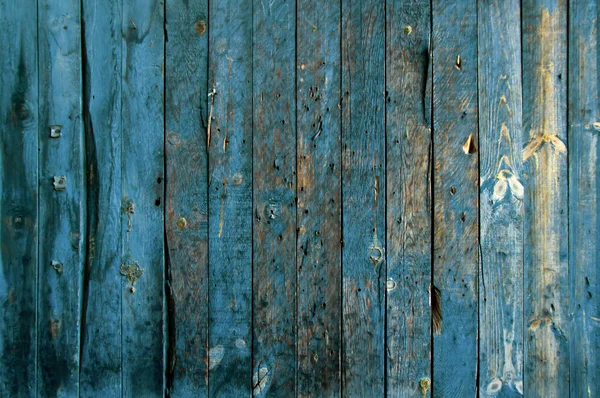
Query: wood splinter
211	95
469	146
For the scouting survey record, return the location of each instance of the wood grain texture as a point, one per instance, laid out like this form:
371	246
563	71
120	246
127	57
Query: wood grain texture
186	220
546	369
584	190
100	362
61	208
501	200
456	195
363	196
230	229
19	199
319	229
274	193
408	198
142	202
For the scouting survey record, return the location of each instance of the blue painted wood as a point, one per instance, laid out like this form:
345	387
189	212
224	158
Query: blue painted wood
100	362
186	221
142	215
230	215
456	197
62	203
546	309
19	198
274	192
584	190
501	200
408	199
363	196
319	225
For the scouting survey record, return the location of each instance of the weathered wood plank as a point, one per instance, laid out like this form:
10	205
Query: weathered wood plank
584	190
456	194
142	202
363	188
318	247
274	192
19	198
100	371
230	215
408	198
546	368
62	197
186	224
501	199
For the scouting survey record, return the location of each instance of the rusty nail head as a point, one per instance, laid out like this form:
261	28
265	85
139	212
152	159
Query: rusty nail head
57	266
60	183
55	130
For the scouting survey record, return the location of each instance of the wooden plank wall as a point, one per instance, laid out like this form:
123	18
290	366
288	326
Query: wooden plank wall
299	198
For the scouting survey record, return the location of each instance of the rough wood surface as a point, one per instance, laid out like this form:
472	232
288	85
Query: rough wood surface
363	197
319	229
584	190
186	218
100	367
456	197
408	198
142	205
230	230
61	197
546	369
274	192
19	198
501	200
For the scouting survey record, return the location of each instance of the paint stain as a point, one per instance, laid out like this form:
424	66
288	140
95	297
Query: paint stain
215	356
200	27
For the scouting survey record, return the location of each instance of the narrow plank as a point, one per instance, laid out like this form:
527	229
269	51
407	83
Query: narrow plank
230	198
584	188
142	216
408	198
62	203
274	192
456	194
546	368
501	199
186	224
318	247
19	198
100	362
363	196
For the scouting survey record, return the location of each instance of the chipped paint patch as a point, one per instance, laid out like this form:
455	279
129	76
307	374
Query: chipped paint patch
215	356
260	380
240	343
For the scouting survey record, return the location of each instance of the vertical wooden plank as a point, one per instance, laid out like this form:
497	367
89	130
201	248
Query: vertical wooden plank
230	193
546	369
100	371
19	198
363	195
142	204
584	190
408	198
186	189
274	192
501	199
318	247
456	194
62	197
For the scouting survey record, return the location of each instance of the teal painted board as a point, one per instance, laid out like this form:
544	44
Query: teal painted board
186	218
19	199
274	193
546	269
584	190
230	204
62	197
142	205
408	199
319	224
501	200
363	197
456	199
100	362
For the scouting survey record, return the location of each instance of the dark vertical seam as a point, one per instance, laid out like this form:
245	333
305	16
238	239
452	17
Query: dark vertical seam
209	102
385	239
524	220
479	252
568	202
167	346
342	352
296	194
253	219
37	218
432	191
123	43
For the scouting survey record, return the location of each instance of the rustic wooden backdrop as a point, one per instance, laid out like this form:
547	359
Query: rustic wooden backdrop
299	198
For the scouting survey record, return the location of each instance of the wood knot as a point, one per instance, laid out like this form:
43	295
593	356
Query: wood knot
200	27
